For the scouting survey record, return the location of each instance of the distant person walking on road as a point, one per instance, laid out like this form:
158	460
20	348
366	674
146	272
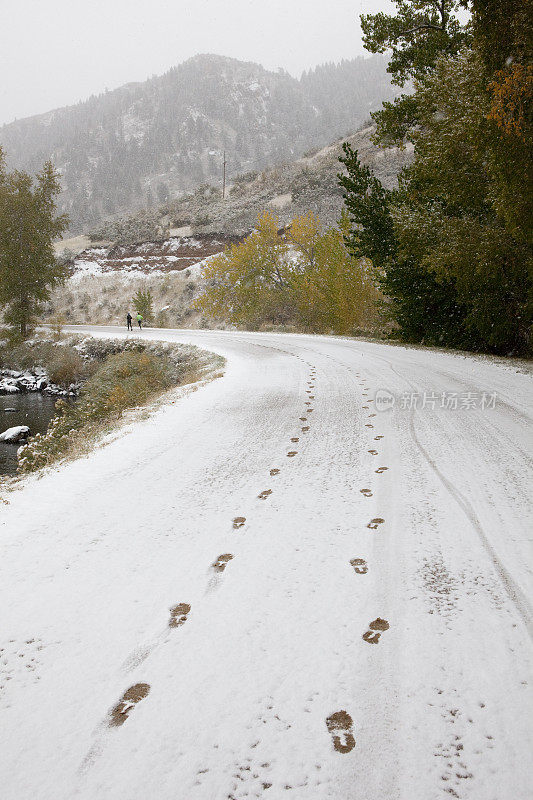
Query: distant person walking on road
129	319
139	320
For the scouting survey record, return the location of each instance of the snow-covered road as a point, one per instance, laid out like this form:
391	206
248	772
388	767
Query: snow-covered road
362	632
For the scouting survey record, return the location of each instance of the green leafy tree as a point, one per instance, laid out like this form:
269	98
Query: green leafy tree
28	226
419	32
502	32
143	304
453	245
467	212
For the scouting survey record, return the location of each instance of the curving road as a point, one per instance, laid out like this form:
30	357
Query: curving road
362	631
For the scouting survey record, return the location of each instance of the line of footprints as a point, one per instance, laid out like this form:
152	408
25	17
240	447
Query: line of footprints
339	724
178	614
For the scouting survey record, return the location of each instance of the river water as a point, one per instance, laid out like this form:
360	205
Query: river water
32	409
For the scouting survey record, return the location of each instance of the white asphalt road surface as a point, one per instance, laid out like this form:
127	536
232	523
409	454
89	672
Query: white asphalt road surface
363	632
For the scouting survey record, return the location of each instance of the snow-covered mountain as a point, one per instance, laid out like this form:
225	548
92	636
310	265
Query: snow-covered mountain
146	142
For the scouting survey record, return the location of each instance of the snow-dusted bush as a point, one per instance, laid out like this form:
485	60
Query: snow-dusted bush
67	367
129	375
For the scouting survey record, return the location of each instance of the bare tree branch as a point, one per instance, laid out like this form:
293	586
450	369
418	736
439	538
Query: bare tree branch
427	27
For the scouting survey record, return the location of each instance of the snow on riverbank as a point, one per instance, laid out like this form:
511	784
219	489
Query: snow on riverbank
36	380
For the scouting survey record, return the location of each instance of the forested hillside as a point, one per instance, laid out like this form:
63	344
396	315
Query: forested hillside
144	143
290	189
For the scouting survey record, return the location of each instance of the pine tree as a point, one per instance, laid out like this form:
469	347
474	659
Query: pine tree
28	226
143	304
425	309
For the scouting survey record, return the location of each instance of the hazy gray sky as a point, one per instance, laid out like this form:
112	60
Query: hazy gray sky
56	52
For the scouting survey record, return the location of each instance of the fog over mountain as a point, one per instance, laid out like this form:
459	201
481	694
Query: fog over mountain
146	142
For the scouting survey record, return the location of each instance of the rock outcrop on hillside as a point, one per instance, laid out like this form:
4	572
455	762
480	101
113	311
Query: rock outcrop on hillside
152	258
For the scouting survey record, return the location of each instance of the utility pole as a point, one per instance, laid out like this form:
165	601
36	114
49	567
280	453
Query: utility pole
224	178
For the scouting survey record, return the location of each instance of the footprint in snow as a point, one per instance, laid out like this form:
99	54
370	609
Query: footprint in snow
340	725
178	615
375	629
264	494
222	561
366	492
309	410
364	406
120	713
360	566
238	522
274	471
292	453
373	452
305	429
295	439
381	469
311	397
303	419
377	438
368	425
373	524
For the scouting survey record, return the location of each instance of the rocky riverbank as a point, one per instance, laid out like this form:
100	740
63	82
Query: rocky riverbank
33	380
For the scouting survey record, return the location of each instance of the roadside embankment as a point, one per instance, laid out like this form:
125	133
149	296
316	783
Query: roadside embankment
113	377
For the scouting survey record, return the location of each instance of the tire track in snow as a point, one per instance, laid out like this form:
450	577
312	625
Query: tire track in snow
514	592
519	599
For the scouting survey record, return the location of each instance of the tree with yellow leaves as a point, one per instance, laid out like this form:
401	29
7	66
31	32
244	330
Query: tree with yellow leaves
512	99
248	283
303	276
332	290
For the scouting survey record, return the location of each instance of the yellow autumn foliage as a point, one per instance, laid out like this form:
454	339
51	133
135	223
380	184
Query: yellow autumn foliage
332	290
302	276
512	97
247	284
